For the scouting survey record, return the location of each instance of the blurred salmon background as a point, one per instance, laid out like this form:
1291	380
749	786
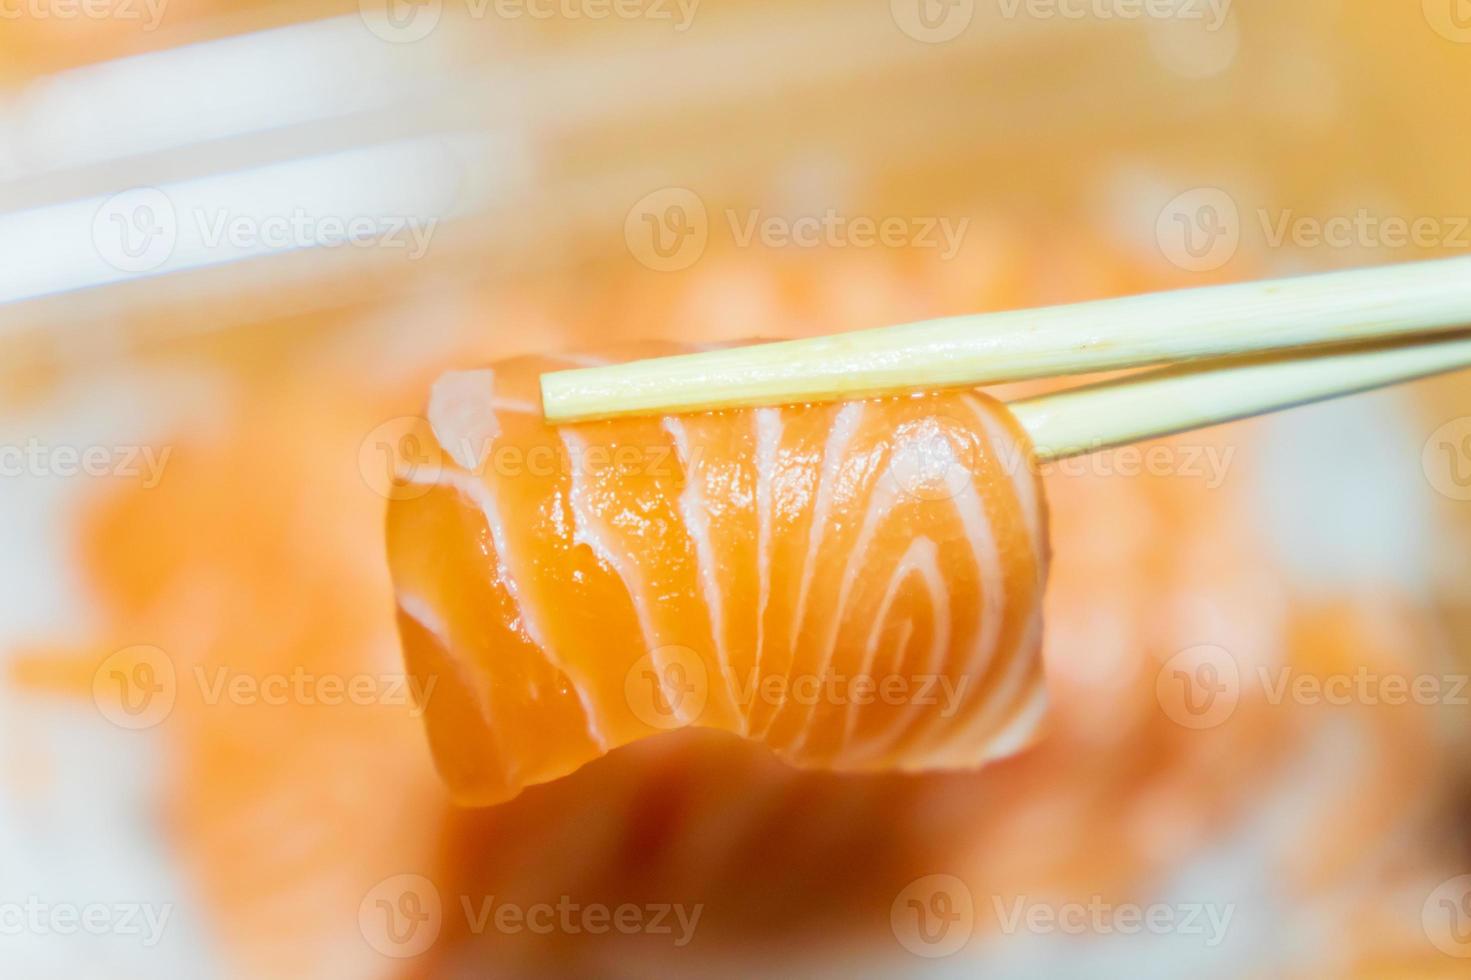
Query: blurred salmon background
239	240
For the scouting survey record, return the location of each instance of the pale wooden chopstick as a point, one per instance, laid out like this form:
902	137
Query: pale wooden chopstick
1357	306
1178	399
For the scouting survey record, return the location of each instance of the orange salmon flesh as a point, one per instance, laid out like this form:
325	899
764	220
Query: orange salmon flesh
858	586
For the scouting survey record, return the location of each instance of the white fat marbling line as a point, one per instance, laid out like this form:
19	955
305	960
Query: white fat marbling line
923	559
1016	733
587	530
425	615
462	415
976	741
768	441
516	406
475	491
982	539
833	455
697	523
580	360
1013	457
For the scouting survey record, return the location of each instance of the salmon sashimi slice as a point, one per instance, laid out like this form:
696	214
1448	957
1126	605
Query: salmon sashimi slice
858	586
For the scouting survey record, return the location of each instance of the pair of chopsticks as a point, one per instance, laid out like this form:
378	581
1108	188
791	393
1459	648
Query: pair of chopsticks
1234	352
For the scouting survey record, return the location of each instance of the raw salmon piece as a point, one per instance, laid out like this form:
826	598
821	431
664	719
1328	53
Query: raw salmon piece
857	586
